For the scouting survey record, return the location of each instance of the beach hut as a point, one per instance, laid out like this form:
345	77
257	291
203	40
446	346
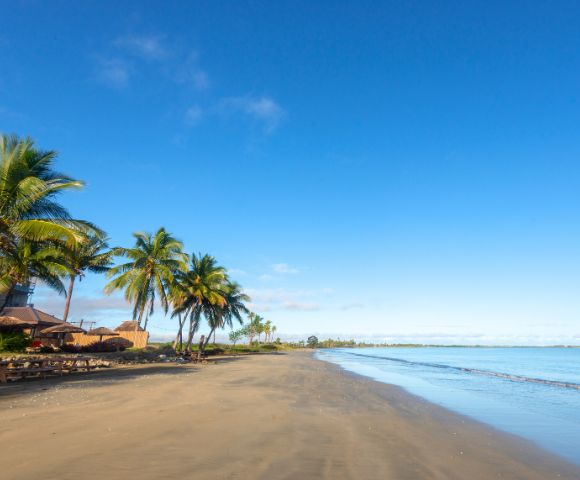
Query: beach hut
14	323
102	332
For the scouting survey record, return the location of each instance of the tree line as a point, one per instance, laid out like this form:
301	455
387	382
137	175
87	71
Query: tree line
39	239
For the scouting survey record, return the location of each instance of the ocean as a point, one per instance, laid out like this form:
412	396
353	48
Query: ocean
530	392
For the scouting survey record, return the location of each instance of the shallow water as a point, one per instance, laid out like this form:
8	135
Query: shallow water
531	392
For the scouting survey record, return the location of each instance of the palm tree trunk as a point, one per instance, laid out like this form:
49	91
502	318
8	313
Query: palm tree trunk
71	286
212	331
190	335
201	348
179	337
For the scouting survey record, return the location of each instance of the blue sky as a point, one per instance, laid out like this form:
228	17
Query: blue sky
405	171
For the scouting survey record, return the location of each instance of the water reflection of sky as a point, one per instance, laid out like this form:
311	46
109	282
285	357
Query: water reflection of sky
546	414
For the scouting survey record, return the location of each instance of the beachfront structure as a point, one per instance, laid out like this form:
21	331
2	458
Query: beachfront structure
19	296
37	319
128	333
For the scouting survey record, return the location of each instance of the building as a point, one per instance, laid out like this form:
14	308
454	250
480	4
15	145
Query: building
19	296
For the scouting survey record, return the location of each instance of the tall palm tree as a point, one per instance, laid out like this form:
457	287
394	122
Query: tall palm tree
28	188
154	262
202	288
25	260
224	314
91	254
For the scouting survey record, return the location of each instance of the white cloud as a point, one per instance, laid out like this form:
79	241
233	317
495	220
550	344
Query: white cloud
193	115
351	306
281	299
190	73
237	271
114	72
148	47
81	306
262	109
284	268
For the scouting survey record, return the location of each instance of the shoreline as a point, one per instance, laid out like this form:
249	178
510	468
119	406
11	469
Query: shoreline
283	415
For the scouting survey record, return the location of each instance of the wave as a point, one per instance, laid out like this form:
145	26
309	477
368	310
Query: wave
476	371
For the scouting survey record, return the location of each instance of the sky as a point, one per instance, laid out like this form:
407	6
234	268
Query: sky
395	171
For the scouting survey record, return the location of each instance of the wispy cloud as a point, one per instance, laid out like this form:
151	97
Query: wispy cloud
83	306
351	306
114	72
262	109
193	115
190	73
281	299
149	47
284	268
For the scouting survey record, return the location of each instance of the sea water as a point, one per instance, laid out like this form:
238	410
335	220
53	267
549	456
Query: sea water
531	392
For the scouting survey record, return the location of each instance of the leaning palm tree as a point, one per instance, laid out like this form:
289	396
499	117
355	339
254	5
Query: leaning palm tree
91	254
28	188
154	262
202	289
25	260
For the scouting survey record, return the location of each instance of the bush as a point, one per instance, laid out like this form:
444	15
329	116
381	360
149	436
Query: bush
13	342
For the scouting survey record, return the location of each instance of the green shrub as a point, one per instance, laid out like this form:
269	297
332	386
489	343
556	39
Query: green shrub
13	342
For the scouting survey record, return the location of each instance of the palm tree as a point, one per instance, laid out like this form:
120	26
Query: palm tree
268	330
28	187
274	330
91	254
25	260
202	288
224	314
155	260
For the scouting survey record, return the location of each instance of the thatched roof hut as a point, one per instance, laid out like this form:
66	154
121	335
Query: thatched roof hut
101	332
129	326
32	316
13	322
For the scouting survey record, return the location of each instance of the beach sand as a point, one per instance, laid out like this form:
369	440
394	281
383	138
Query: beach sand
279	416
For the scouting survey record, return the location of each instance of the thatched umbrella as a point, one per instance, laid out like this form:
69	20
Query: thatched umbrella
62	329
101	332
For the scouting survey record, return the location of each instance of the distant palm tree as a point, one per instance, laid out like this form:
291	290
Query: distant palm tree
26	260
155	260
202	288
91	254
274	330
268	330
28	187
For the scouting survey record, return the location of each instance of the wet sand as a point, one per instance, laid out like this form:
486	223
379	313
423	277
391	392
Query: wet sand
279	416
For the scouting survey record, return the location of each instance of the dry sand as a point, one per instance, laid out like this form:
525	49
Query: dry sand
280	416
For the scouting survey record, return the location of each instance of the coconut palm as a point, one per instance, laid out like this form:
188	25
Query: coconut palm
91	254
268	330
28	187
154	262
202	288
24	260
224	314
